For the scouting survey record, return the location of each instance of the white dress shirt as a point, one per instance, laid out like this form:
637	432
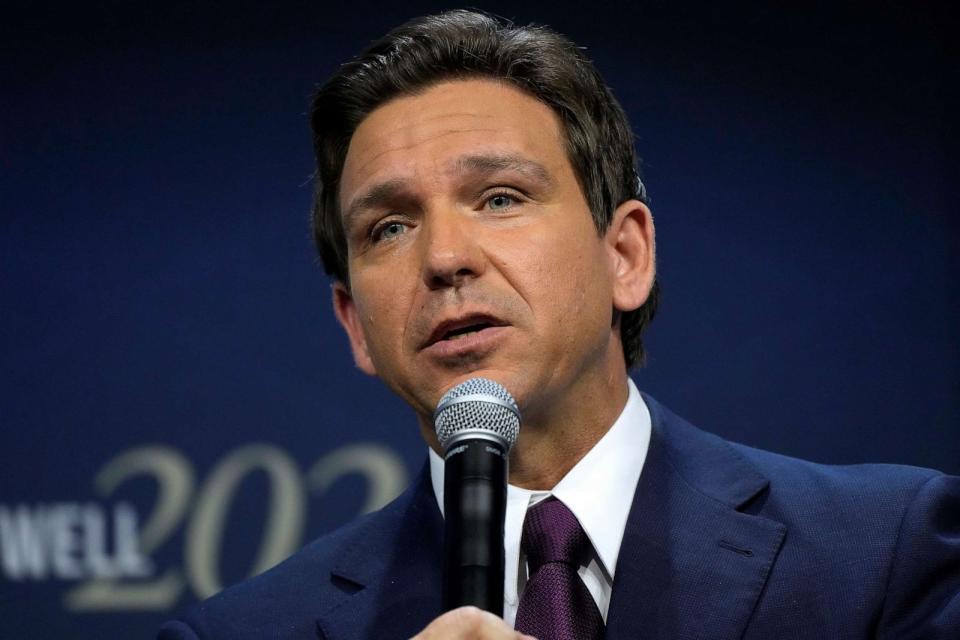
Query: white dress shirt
598	490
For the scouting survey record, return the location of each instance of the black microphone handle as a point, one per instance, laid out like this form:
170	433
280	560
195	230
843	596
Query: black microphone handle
474	505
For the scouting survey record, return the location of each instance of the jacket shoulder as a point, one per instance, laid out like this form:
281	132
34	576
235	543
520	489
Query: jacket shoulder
869	549
701	457
282	602
857	488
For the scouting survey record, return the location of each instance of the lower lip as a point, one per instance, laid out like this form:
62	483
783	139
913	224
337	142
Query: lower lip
472	345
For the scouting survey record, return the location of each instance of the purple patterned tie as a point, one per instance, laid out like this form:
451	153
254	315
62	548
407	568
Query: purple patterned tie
556	604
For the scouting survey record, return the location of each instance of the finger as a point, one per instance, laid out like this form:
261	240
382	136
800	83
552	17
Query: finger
470	623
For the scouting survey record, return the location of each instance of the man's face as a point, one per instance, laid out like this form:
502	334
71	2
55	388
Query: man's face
472	251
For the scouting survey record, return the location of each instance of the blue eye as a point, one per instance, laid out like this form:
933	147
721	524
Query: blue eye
389	230
501	201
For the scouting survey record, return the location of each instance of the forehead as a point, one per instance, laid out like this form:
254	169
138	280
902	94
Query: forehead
426	135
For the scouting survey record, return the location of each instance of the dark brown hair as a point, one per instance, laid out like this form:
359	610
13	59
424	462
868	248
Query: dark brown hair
467	44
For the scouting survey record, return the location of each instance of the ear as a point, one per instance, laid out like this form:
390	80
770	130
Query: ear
346	311
631	240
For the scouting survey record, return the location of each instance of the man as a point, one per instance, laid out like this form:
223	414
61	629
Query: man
479	210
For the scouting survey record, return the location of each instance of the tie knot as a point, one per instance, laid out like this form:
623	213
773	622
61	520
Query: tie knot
551	533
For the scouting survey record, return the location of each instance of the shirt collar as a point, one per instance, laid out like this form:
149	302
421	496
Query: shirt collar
599	488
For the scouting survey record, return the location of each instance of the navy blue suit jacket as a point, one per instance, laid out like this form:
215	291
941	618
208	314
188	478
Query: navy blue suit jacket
722	542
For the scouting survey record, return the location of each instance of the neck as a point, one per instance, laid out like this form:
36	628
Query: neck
553	441
560	428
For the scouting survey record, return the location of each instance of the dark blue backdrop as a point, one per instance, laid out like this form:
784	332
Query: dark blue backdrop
178	407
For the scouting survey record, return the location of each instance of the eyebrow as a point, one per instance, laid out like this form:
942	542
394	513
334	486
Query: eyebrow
376	195
482	164
488	164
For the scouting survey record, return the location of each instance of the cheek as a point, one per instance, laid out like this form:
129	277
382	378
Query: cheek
528	260
378	310
563	274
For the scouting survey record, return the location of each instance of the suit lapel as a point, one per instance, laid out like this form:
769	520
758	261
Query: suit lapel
388	584
692	563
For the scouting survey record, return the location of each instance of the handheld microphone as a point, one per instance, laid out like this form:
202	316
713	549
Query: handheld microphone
477	422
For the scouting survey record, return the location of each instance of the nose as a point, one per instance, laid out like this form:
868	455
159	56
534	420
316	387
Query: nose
451	252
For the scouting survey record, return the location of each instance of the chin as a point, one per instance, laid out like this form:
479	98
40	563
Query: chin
507	379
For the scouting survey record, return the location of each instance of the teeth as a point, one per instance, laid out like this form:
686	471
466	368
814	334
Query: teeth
457	336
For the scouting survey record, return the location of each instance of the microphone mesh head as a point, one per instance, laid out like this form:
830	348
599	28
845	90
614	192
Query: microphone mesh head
477	407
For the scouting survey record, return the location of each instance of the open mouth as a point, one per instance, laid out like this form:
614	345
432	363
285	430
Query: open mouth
454	330
460	332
